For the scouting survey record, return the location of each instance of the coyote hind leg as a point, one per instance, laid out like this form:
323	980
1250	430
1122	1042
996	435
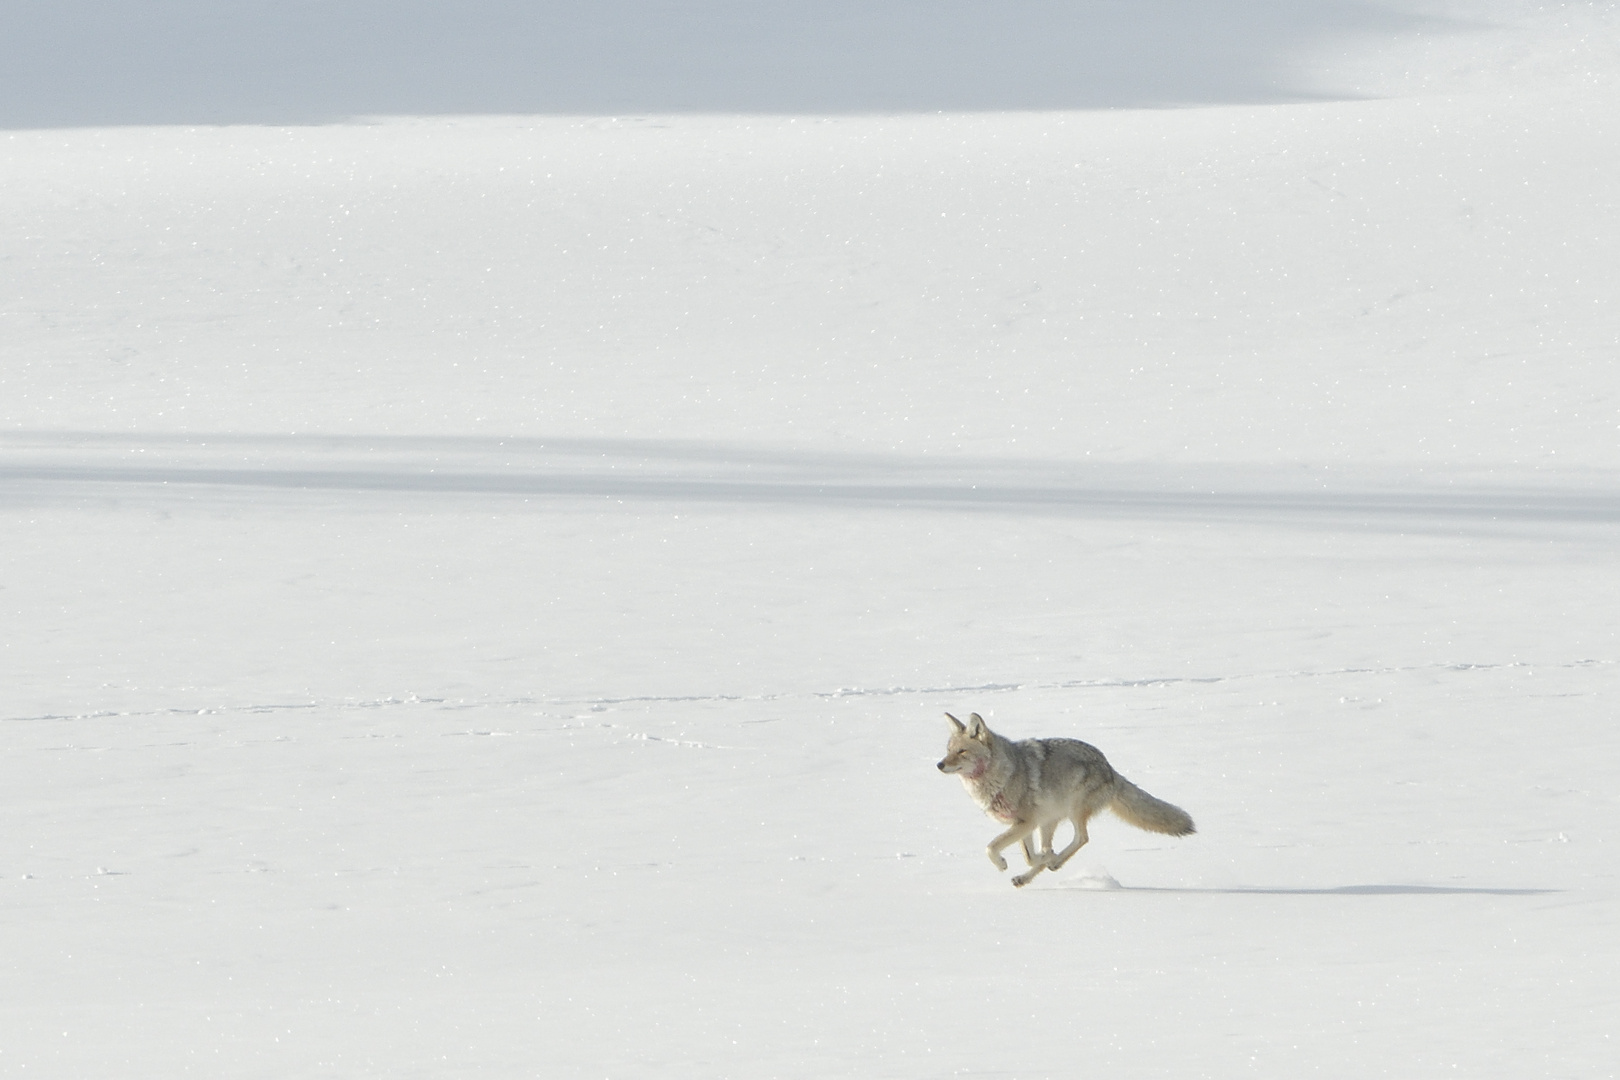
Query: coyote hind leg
1042	860
1055	862
1046	842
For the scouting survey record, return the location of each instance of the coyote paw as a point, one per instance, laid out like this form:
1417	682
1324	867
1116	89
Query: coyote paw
995	857
1024	879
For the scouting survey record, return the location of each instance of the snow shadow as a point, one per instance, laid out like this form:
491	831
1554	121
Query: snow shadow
58	465
1348	890
75	63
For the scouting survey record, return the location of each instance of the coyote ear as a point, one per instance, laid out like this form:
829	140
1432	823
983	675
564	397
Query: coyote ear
955	723
977	729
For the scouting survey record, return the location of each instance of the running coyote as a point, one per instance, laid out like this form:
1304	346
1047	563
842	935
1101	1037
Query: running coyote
1040	783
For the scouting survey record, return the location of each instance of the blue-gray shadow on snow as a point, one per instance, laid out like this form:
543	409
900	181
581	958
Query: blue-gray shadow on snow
49	465
75	63
1479	505
1343	890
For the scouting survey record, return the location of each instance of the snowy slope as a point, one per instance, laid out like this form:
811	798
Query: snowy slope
87	62
479	592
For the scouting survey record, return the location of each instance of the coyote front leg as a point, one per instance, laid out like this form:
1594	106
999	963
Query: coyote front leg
1012	836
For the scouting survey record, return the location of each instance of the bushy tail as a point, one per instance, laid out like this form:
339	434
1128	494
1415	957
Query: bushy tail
1145	812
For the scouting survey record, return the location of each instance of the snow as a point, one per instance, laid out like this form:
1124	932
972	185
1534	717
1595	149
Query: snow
77	62
480	591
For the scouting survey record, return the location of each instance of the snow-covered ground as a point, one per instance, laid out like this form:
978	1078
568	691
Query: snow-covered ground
479	592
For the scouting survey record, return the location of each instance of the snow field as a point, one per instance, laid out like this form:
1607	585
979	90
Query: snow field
479	593
1400	862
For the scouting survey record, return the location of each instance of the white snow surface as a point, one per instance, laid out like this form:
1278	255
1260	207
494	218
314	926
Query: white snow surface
479	593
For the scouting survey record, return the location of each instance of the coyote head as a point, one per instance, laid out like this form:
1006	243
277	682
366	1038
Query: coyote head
968	751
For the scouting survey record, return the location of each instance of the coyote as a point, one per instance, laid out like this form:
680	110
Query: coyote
1039	783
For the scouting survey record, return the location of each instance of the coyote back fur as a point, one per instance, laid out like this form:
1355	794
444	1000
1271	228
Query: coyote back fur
1037	784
